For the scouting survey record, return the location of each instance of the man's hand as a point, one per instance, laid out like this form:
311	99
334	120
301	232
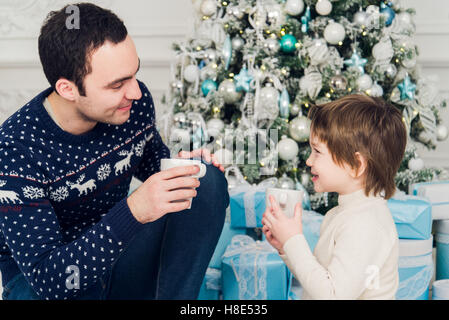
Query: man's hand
204	154
278	227
153	199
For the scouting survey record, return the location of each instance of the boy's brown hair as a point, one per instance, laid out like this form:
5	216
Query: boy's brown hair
358	123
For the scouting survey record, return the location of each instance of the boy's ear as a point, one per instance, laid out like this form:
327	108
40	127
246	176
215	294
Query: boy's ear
67	89
362	163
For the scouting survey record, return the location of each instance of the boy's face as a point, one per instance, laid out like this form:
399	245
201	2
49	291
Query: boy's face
111	87
328	176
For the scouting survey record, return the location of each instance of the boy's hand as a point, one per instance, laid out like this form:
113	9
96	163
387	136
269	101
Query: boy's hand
281	227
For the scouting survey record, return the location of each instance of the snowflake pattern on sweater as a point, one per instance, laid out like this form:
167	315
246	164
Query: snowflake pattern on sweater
63	197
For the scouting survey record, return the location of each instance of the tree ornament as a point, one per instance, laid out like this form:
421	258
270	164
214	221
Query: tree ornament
375	91
407	89
361	18
243	80
294	109
288	43
299	128
229	92
227	52
388	13
214	127
338	82
208	86
210	55
364	82
305	19
415	164
356	62
390	70
323	7
284	104
334	33
383	50
191	73
224	157
208	7
441	132
287	148
318	52
285	182
271	46
181	136
177	85
235	11
294	7
269	96
237	43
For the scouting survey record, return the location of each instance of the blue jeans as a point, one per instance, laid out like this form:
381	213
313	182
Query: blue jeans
166	260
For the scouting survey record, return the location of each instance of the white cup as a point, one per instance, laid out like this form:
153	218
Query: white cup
167	164
285	198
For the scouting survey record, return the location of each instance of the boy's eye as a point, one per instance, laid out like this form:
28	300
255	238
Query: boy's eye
316	150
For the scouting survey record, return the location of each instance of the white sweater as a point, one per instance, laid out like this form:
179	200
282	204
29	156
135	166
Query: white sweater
356	256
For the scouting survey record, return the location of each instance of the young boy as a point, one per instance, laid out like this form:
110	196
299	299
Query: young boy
357	143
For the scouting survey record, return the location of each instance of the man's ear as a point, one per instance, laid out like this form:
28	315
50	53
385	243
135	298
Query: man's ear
362	163
67	89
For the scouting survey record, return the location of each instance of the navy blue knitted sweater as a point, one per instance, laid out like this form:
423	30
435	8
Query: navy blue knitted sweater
63	196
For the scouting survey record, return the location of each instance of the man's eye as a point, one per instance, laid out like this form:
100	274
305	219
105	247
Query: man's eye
118	86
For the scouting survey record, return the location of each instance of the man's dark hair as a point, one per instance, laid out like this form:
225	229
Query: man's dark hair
66	52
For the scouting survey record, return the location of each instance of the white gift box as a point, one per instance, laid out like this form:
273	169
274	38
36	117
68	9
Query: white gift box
415	269
437	193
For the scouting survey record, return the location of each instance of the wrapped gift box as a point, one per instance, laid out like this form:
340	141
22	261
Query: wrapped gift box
442	249
437	193
412	216
211	286
226	236
415	269
253	270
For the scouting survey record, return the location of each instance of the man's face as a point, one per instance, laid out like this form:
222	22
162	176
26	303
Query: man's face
111	87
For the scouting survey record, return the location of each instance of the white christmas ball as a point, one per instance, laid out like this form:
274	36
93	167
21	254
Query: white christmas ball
228	91
318	51
210	54
383	51
271	45
287	148
181	136
364	82
237	43
191	73
334	33
323	7
208	7
294	7
236	12
285	182
224	157
442	132
299	129
361	18
405	18
295	109
415	164
376	91
269	96
214	127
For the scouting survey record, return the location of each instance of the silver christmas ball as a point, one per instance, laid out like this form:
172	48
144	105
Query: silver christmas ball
235	11
334	33
271	46
208	7
285	182
323	7
390	71
295	109
294	7
375	91
237	43
191	73
228	91
287	148
364	82
442	132
338	82
269	96
299	129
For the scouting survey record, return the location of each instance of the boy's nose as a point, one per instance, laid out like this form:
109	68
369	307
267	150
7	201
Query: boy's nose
308	162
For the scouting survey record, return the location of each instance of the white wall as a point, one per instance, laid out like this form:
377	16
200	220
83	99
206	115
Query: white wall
155	25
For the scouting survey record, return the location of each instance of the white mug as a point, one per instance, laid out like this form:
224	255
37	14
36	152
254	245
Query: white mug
285	198
175	162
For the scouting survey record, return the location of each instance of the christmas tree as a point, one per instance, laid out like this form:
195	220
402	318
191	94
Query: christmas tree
253	68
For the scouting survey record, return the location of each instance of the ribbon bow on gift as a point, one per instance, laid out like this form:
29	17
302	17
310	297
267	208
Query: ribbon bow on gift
251	259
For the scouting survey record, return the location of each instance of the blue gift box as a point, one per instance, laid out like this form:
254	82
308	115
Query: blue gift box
412	216
437	192
211	286
226	236
253	270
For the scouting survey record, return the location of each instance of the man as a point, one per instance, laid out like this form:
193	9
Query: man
69	228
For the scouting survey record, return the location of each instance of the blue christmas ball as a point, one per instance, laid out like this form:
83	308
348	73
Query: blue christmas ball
388	13
288	43
208	85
